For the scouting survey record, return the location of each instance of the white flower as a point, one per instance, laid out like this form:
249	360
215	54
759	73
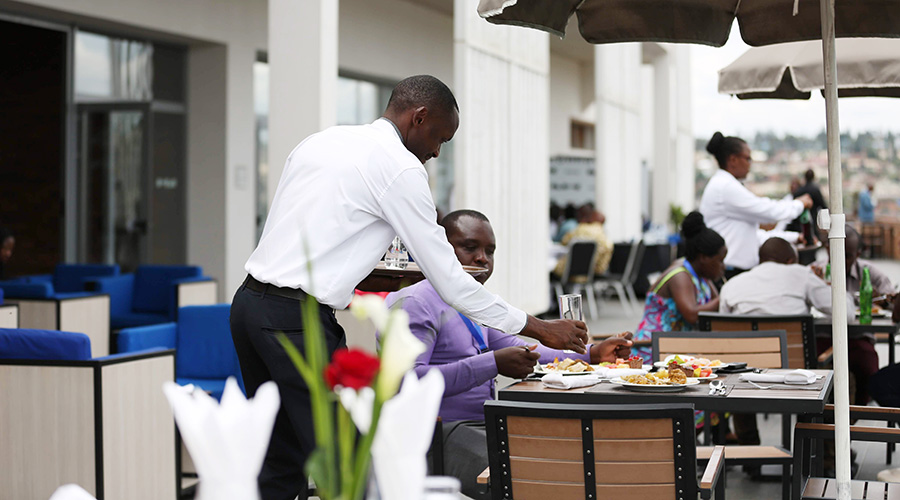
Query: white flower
371	307
359	405
399	351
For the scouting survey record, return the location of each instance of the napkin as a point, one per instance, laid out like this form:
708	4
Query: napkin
404	434
227	441
558	381
71	492
795	377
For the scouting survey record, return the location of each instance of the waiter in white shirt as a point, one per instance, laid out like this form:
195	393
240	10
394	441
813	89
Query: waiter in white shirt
344	194
733	211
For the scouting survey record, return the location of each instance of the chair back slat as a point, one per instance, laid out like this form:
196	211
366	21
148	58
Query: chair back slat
580	262
539	451
639	492
761	349
800	329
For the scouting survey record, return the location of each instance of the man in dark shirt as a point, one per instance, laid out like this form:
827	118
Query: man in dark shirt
812	189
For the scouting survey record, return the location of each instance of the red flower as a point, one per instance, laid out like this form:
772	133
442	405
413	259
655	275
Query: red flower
353	368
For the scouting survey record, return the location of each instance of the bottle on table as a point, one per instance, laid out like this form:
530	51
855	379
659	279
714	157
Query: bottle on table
865	298
828	273
806	226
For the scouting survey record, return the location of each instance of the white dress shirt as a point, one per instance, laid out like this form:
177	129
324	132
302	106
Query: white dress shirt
775	289
344	194
735	213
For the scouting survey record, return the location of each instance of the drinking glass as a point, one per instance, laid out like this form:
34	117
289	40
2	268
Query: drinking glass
396	257
570	307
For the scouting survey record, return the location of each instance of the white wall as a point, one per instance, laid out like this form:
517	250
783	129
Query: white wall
501	82
571	97
617	83
393	39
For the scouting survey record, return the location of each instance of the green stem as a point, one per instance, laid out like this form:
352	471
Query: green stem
346	438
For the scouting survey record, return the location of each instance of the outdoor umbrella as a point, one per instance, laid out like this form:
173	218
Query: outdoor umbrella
866	67
762	22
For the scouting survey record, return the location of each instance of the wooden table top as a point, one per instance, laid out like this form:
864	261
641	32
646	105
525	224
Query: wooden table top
740	396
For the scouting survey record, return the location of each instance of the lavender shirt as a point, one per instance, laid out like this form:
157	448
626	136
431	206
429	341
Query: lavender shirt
450	347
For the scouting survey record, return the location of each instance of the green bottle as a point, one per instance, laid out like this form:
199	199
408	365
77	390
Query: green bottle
828	273
865	298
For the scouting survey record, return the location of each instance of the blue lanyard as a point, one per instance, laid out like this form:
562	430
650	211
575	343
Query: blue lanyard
704	290
476	333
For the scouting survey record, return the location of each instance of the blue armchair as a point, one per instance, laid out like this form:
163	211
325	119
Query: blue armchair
204	352
59	301
60	405
152	294
67	280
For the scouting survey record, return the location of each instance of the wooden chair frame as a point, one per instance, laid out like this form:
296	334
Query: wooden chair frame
748	454
826	488
803	334
498	415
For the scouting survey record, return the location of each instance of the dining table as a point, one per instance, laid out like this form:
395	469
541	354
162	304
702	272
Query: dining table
882	328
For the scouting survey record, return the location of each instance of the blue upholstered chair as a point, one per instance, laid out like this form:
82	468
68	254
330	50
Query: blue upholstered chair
59	301
152	294
106	414
204	352
67	280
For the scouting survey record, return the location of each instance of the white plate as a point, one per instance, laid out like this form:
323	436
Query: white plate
543	371
663	364
654	388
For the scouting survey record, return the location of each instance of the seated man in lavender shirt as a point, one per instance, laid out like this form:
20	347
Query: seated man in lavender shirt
470	356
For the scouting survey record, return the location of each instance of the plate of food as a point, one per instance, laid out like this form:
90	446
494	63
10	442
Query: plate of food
877	312
634	362
567	366
655	382
689	361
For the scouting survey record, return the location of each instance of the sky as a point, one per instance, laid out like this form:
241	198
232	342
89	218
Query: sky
713	111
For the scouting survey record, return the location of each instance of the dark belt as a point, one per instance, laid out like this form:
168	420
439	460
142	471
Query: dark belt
265	288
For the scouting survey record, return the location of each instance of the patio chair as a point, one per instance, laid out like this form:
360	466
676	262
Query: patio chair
59	301
153	294
102	423
204	352
579	272
562	451
810	482
800	329
760	349
624	266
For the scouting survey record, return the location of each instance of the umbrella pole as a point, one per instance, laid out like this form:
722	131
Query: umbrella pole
836	237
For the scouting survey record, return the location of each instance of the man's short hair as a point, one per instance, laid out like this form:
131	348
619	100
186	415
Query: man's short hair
422	90
449	220
777	250
809	175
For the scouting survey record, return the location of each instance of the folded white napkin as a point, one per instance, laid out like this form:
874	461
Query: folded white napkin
795	377
558	381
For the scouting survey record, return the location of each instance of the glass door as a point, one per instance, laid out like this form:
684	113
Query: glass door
113	197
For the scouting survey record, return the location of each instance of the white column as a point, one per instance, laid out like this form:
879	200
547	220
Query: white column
618	126
303	68
663	133
685	192
502	147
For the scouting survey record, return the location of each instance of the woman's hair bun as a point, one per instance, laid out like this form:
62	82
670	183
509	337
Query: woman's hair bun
692	225
715	144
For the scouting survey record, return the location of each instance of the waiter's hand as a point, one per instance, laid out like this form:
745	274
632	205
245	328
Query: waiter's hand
558	333
374	283
806	200
516	361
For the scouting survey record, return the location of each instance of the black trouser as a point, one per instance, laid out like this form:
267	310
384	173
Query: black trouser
256	319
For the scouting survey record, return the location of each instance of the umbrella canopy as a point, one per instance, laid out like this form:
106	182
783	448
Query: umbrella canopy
866	67
708	22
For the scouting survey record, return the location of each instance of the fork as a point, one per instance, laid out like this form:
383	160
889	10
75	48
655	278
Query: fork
798	387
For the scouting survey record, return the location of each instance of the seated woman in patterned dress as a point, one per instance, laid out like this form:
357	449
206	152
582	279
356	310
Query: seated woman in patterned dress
685	288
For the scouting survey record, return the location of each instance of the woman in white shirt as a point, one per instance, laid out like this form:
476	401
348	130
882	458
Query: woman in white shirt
734	211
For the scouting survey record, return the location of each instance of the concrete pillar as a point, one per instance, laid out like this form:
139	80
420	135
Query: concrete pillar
685	192
303	70
663	135
617	86
502	147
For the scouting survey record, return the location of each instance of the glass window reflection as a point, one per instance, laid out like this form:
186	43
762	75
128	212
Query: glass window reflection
112	68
